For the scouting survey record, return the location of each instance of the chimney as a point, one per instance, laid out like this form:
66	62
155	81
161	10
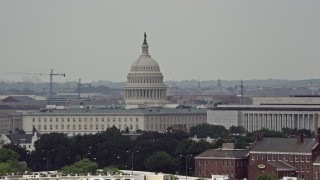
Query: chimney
299	138
259	137
315	124
228	146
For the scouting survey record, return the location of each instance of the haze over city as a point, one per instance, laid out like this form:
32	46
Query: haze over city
99	40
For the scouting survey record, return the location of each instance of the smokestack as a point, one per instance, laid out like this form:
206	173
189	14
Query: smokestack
315	124
300	138
259	137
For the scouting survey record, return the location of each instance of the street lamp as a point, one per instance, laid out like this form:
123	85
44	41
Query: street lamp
186	157
118	157
132	152
47	152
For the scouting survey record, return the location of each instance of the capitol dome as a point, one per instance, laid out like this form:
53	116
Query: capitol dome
145	86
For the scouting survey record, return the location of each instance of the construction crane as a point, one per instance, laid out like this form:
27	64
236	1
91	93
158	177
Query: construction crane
51	80
82	85
51	74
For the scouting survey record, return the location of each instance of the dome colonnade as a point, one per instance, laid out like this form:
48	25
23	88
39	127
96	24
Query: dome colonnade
145	86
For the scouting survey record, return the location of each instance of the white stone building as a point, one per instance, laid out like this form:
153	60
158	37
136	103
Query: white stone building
10	120
90	121
145	86
273	117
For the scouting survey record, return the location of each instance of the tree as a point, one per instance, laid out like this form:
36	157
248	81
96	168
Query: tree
207	130
84	166
8	155
237	130
161	162
7	168
22	152
111	170
9	162
267	177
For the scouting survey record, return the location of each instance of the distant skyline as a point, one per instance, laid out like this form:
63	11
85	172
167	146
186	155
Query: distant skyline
206	40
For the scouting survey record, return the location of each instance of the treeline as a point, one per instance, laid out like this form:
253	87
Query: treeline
150	151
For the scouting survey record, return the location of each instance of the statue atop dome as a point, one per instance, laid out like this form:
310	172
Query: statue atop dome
145	38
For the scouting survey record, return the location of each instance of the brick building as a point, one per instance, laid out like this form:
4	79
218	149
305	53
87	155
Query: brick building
284	157
226	161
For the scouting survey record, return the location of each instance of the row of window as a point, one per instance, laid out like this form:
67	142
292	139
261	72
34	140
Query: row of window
80	119
81	127
140	80
226	173
281	157
300	168
223	163
175	118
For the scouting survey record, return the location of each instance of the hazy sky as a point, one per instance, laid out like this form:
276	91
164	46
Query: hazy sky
99	40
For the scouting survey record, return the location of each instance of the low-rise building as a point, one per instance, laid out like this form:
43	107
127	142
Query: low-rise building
227	161
23	140
284	157
94	120
273	117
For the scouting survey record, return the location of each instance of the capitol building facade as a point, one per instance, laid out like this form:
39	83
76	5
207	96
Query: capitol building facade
145	86
144	95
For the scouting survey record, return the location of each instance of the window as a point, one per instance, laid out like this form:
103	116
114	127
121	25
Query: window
62	119
62	127
308	159
253	157
57	119
206	162
50	126
79	119
307	168
50	119
217	163
91	126
297	158
68	127
39	127
273	157
74	127
85	127
45	119
102	127
56	127
33	119
102	119
137	119
269	157
68	119
199	163
231	163
291	158
302	158
39	119
79	127
302	168
97	126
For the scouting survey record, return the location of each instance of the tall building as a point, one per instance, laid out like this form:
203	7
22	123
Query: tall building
145	86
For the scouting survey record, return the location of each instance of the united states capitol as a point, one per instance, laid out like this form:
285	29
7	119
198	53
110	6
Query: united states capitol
145	100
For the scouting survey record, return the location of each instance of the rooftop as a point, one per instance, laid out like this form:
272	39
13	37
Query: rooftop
284	145
142	111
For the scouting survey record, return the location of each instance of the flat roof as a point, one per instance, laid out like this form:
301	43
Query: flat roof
269	107
141	111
